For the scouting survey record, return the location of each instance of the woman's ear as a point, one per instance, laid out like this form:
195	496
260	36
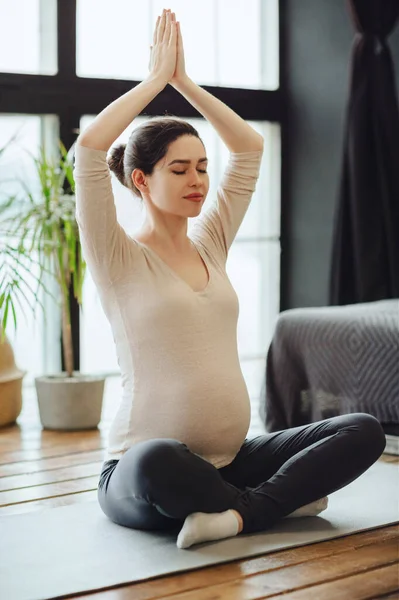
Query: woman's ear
140	180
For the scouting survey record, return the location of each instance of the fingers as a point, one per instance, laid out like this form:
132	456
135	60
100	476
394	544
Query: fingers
161	27
154	39
173	27
170	29
165	27
166	35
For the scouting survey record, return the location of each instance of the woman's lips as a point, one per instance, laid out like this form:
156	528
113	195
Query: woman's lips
194	198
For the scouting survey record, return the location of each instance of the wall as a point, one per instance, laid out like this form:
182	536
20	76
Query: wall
316	38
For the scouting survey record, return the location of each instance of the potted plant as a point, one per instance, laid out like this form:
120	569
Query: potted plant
43	232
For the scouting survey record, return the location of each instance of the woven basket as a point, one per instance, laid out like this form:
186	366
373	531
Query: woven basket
10	385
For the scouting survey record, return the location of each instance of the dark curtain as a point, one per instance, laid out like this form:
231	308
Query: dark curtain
365	251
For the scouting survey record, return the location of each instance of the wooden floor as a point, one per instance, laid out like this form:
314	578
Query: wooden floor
40	469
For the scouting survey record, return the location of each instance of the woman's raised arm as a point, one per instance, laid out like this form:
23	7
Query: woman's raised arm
107	248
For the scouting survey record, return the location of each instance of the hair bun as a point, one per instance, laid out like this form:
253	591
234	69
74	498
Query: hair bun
115	161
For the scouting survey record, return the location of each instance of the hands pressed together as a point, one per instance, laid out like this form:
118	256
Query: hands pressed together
167	54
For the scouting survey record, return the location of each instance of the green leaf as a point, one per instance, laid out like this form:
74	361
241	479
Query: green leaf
5	314
13	314
38	227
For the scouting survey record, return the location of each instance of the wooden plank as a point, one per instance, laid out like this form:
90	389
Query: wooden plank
390	458
51	490
48	503
219	575
34	430
62	449
362	586
45	438
46	476
43	464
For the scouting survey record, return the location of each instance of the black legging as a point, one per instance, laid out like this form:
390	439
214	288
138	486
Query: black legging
157	483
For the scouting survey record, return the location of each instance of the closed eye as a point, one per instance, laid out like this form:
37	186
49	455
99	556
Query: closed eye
183	172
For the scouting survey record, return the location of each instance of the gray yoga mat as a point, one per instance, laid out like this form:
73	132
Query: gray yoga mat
77	548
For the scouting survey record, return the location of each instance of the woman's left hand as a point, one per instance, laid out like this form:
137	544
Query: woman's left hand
180	71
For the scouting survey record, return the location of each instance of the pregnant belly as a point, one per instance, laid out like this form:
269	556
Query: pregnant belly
208	420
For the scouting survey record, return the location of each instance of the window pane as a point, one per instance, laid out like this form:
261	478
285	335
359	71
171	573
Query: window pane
247	43
118	45
220	47
254	271
97	347
238	39
35	345
254	374
28	42
263	217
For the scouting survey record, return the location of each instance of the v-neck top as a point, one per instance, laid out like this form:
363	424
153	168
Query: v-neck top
176	347
173	272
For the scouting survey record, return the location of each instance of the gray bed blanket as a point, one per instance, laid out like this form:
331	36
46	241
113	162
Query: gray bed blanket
332	360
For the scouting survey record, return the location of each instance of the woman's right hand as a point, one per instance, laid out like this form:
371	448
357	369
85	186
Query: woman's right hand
164	50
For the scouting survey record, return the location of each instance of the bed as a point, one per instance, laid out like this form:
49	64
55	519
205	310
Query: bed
332	360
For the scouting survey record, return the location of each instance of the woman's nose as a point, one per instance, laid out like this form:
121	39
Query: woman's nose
194	178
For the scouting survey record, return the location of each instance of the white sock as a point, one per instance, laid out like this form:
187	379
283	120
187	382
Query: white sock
203	527
310	510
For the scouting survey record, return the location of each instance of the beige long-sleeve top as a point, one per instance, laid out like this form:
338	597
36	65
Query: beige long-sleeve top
177	348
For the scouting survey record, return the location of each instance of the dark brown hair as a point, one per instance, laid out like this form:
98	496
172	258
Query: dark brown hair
147	144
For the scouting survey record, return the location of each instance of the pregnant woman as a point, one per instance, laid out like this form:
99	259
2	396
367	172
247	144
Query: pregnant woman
178	457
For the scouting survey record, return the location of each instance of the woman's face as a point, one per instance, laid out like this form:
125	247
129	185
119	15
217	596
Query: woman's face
180	173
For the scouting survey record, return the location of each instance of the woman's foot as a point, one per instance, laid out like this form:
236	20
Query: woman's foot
310	510
204	527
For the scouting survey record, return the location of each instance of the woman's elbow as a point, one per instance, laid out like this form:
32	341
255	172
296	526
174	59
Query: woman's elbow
261	143
88	142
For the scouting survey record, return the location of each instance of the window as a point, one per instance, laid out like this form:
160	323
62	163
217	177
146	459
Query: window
223	46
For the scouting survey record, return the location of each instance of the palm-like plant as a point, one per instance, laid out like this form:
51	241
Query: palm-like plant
42	232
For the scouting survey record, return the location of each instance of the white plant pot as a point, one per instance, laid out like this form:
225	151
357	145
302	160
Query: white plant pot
70	403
